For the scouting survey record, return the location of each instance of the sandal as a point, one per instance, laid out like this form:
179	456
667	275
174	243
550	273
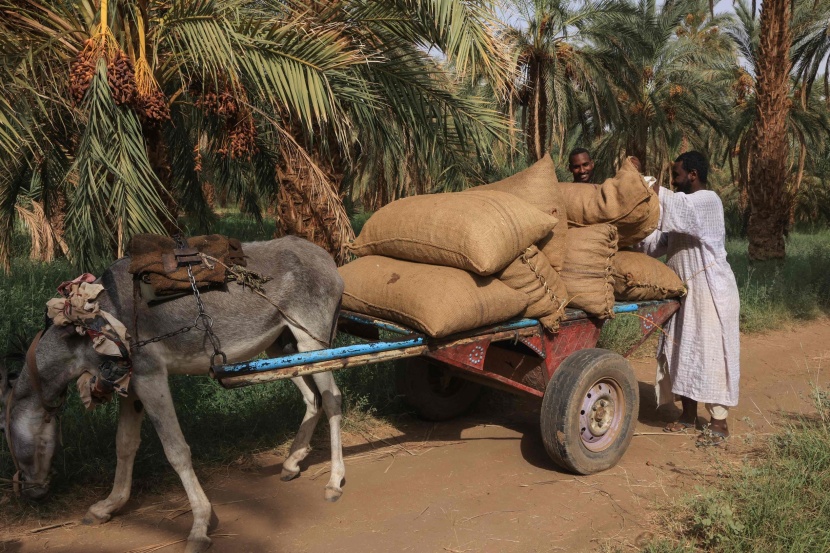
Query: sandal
679	426
711	438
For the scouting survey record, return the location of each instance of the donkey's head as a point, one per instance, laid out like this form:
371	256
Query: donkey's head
29	410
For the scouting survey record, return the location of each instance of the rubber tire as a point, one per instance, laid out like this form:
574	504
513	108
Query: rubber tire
417	379
560	417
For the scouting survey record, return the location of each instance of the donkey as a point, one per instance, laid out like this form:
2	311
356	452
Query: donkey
307	289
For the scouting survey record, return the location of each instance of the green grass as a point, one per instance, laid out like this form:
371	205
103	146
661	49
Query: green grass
779	293
779	502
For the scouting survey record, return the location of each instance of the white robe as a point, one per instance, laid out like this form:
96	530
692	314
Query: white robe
699	354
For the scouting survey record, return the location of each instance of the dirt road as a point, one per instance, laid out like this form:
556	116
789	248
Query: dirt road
479	484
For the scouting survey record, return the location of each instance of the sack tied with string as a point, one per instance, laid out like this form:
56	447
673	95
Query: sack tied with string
639	277
481	231
537	185
625	200
532	274
434	299
587	273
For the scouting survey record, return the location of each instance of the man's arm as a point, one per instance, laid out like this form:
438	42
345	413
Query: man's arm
686	213
655	244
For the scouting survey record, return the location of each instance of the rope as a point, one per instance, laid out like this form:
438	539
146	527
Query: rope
240	274
541	278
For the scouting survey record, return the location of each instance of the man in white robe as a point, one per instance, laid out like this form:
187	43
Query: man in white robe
699	354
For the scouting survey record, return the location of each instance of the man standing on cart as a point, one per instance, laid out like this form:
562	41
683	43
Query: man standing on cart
699	355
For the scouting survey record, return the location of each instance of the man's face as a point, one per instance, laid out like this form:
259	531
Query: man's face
582	167
680	178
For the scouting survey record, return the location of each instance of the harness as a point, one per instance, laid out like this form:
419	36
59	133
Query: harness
51	411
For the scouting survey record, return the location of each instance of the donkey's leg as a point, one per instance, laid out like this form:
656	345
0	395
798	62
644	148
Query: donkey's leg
154	391
300	448
332	405
130	415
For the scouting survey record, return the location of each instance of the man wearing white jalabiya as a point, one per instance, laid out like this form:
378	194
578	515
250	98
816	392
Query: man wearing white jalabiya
699	354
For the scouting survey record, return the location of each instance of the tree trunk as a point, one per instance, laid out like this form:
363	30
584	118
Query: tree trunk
319	217
769	147
537	121
799	177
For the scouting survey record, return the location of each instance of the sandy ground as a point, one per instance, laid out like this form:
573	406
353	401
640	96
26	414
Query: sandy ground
482	483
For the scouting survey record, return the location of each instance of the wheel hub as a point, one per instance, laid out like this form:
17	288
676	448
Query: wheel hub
601	413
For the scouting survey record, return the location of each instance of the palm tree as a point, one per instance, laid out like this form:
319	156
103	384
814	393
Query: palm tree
806	121
769	148
122	115
768	95
556	44
811	29
663	82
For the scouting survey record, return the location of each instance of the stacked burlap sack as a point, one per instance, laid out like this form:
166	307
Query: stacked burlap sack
445	263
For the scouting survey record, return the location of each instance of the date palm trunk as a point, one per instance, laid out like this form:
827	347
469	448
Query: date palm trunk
318	216
767	191
537	128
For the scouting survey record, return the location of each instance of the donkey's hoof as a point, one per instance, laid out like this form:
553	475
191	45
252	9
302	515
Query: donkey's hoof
333	494
91	519
288	475
198	545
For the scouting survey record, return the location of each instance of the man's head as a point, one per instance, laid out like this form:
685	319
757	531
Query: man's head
581	165
689	172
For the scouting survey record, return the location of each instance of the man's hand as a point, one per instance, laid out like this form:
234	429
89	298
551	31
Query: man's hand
653	184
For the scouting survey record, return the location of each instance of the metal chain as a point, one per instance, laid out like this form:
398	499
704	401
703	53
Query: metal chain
202	318
142	343
205	319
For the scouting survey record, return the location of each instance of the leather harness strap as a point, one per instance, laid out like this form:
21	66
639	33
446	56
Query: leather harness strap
31	366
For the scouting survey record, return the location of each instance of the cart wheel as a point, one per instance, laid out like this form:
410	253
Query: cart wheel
432	389
589	411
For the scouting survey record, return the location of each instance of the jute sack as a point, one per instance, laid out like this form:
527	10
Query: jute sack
538	186
532	274
478	231
624	200
587	273
639	277
433	299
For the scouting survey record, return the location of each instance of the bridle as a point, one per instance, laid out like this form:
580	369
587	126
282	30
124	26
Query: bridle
51	411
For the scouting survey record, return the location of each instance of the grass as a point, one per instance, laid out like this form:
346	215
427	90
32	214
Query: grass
779	293
780	502
266	416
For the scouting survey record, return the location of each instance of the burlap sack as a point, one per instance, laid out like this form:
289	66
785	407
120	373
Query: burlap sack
638	277
532	274
624	200
478	231
537	185
587	273
433	299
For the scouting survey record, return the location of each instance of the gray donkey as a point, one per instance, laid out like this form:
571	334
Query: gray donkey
307	288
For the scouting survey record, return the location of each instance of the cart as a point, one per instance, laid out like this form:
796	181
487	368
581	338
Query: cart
590	396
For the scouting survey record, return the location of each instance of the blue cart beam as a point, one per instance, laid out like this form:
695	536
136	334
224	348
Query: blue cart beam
409	345
306	363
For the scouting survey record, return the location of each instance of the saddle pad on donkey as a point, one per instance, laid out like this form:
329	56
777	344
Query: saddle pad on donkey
152	257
